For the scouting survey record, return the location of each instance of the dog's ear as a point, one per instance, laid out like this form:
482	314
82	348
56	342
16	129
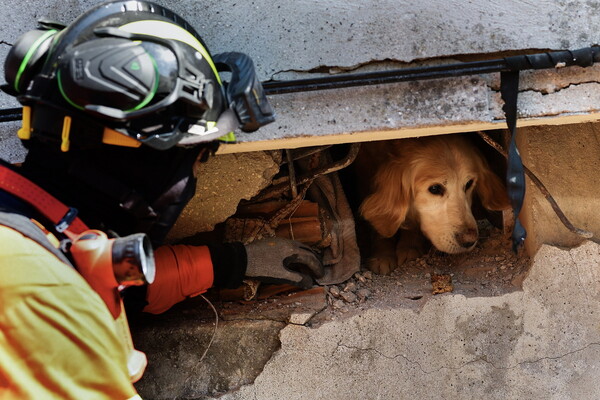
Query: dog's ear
386	208
491	190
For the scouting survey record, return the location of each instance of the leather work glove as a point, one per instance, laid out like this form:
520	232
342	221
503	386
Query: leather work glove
278	260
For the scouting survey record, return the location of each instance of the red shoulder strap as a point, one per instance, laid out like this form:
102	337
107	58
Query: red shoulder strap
62	216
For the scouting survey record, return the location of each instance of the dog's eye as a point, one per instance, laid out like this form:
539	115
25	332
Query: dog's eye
468	185
436	189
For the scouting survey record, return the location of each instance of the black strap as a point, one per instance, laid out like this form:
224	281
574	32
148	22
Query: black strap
515	175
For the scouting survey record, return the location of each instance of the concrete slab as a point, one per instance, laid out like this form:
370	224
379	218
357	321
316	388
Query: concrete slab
11	149
235	352
538	343
305	35
311	38
223	181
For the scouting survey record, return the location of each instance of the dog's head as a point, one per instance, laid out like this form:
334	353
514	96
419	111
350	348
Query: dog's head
429	183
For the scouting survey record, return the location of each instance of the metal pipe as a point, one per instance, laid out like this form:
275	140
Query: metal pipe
557	59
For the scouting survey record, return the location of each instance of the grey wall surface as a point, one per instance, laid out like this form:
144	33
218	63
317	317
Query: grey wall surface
301	35
301	38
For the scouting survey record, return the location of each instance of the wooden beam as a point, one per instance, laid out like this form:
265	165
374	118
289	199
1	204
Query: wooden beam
366	136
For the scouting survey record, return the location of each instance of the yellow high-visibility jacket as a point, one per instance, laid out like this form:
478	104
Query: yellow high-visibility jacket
57	337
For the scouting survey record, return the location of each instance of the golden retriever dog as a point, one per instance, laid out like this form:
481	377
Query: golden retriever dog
422	188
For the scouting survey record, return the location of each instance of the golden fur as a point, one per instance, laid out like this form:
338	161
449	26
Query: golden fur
423	185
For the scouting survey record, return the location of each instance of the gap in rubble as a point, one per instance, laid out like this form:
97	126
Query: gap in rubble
490	269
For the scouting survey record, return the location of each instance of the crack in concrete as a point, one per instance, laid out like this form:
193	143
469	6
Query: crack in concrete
285	321
393	358
545	92
6	43
328	69
478	359
280	321
582	286
386	63
494	89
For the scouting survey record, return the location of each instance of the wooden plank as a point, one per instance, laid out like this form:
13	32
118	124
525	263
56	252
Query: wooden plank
366	136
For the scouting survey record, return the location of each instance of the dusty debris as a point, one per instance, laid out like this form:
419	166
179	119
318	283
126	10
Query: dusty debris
352	291
363	294
441	283
491	269
349	297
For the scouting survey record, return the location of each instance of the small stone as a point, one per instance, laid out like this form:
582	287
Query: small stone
338	304
300	318
360	277
335	291
350	287
368	275
363	294
348	297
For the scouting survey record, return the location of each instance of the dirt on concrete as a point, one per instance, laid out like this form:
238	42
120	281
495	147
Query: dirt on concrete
175	340
491	269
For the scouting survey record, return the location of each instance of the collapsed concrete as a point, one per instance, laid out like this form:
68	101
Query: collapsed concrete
540	342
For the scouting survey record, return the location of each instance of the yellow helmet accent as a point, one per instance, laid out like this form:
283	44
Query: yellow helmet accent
66	132
24	132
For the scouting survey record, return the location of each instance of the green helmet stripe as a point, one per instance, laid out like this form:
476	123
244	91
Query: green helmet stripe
168	30
62	91
29	54
151	94
142	104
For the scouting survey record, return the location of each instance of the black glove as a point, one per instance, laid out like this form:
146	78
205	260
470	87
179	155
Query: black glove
278	260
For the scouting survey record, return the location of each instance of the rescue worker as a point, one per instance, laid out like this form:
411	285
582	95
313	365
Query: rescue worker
117	109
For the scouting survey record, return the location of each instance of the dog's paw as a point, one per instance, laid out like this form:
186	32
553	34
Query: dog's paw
382	265
406	254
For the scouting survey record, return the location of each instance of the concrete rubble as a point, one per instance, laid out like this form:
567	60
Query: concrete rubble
540	341
222	182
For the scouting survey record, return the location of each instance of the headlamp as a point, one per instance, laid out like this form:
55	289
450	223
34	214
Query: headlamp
111	264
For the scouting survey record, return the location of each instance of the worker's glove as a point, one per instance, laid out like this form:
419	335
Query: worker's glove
278	260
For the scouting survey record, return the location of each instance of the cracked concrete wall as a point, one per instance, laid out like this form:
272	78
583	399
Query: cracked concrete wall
312	38
539	343
566	159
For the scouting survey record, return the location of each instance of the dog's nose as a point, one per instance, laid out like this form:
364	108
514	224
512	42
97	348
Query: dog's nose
467	238
468	245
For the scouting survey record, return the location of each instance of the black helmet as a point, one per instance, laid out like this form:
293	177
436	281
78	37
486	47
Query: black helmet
130	72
